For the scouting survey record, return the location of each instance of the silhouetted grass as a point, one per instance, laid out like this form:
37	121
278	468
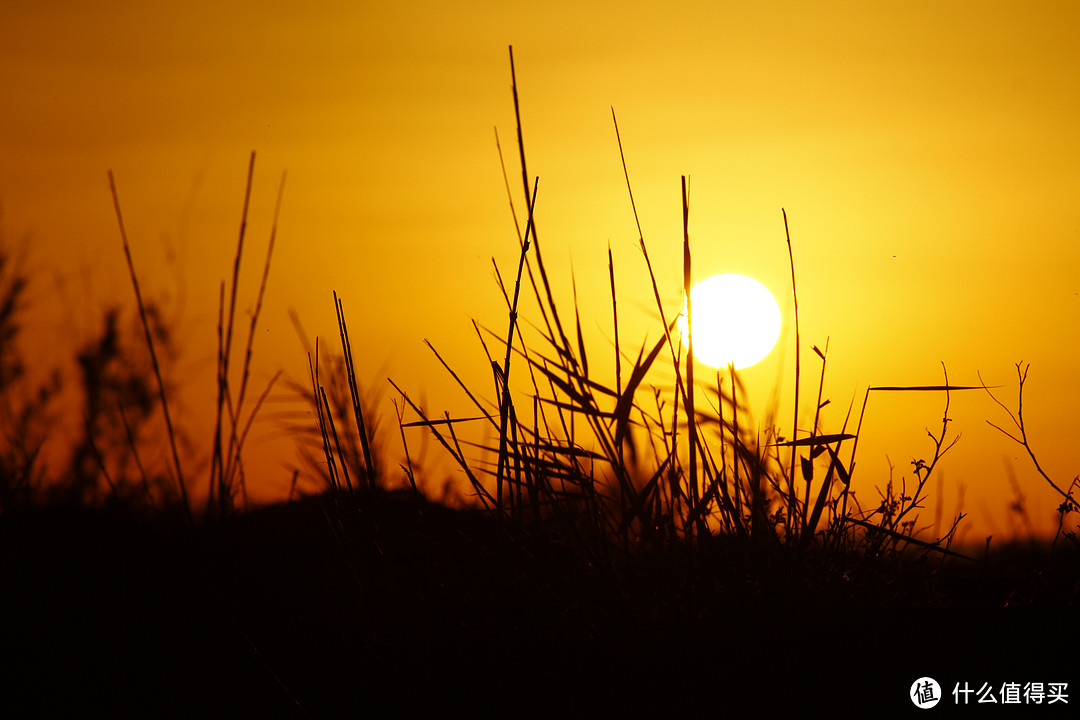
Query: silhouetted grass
575	457
119	391
226	478
26	413
636	546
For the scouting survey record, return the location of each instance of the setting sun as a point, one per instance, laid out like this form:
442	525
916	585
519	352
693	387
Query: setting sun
736	321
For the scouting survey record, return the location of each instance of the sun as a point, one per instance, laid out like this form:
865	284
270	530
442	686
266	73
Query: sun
736	321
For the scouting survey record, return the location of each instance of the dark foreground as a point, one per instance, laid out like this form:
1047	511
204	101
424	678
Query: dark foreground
384	606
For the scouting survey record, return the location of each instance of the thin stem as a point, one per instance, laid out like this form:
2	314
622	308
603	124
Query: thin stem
153	352
795	420
505	405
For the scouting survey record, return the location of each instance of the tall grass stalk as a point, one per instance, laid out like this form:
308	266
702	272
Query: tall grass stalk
791	505
236	444
505	404
226	472
354	394
525	187
182	485
691	426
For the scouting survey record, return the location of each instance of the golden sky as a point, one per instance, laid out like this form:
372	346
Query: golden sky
926	155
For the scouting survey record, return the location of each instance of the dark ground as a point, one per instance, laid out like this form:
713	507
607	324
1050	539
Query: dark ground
380	605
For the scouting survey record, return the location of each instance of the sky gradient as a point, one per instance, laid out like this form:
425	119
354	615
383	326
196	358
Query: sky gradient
927	160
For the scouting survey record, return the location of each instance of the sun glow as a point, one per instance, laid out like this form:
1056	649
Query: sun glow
736	321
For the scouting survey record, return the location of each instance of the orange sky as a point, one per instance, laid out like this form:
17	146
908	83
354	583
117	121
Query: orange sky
927	160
